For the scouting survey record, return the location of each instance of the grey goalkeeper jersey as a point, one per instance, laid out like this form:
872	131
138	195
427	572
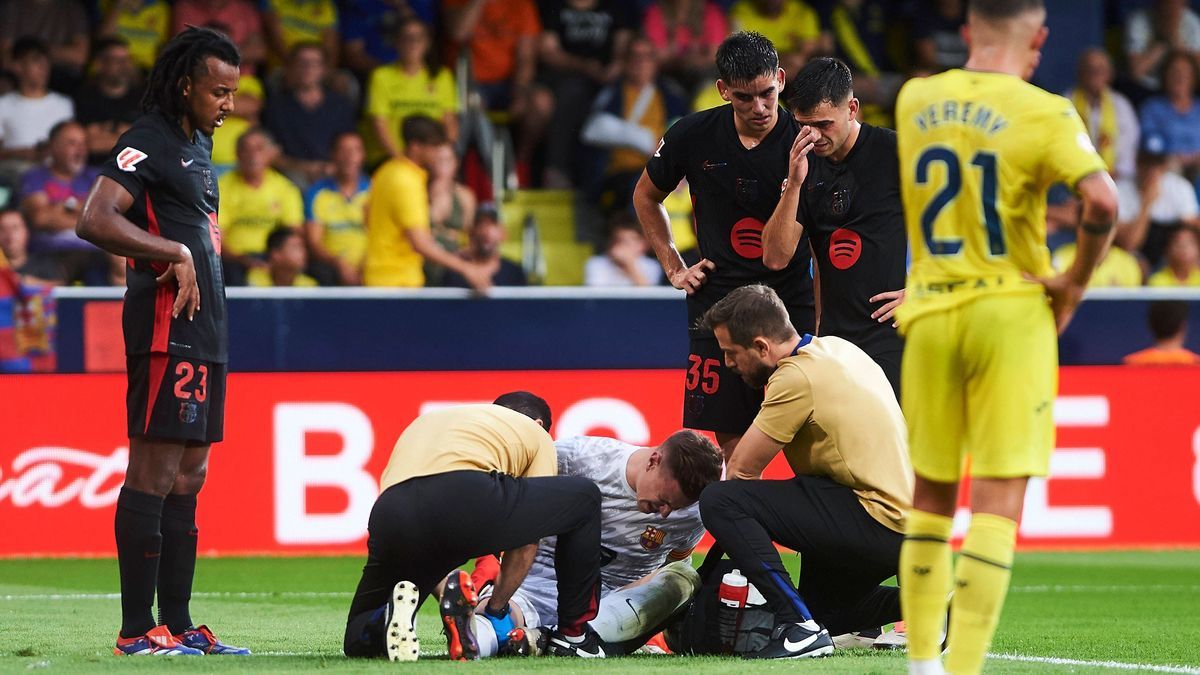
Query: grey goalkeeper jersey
633	543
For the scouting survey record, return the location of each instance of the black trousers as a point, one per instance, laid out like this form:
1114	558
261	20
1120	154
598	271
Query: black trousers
422	529
844	553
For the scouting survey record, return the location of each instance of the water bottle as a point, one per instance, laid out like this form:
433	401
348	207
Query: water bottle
732	594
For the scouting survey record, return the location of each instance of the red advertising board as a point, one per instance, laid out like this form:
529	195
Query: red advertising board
297	472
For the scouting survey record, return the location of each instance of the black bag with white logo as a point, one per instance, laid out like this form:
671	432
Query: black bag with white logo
697	629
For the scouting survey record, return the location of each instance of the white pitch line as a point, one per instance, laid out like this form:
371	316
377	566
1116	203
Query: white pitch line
1084	588
1081	588
1112	665
117	596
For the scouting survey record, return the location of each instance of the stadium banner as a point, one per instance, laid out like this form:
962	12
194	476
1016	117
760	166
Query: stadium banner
298	470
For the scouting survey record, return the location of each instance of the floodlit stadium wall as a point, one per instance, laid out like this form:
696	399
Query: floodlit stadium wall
303	450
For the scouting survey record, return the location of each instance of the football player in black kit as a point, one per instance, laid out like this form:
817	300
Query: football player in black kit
155	202
843	192
735	159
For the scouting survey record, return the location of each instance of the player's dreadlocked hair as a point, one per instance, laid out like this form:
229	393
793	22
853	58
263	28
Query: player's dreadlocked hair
746	56
184	57
530	405
821	79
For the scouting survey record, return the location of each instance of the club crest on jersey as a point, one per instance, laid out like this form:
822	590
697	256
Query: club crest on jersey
128	159
747	189
839	202
188	411
652	538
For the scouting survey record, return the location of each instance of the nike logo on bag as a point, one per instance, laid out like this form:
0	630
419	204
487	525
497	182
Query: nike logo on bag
799	646
185	164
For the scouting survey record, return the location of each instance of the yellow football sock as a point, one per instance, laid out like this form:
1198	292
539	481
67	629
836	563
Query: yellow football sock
980	584
925	571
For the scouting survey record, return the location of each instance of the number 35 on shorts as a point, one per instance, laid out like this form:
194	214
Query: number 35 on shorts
703	373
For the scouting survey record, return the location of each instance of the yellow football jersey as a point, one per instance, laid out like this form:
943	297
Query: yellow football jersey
397	201
978	151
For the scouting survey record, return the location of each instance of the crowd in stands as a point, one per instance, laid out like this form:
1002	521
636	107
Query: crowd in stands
368	134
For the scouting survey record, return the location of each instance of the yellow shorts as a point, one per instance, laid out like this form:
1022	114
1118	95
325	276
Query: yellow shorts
979	381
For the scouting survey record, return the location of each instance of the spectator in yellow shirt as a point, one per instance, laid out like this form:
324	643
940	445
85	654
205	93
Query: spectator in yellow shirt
1118	269
399	240
1183	261
288	23
143	23
286	260
416	84
792	25
255	199
335	212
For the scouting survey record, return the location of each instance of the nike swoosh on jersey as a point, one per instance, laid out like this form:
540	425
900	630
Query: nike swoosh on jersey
185	164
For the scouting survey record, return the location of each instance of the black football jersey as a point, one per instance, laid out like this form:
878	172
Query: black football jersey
734	192
852	212
175	196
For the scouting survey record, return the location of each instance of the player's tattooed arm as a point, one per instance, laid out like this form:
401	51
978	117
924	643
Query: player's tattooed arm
782	232
1095	234
648	203
103	223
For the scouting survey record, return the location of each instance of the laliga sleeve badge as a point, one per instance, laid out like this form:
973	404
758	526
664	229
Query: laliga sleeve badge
128	159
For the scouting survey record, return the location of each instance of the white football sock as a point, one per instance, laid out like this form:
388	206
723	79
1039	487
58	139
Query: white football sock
628	613
925	667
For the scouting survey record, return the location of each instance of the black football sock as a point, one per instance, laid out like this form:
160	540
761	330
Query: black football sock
139	545
178	564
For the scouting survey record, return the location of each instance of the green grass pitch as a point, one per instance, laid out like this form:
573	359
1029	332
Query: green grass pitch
1067	612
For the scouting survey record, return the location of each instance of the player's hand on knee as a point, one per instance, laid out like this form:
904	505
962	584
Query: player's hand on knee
692	278
892	300
183	273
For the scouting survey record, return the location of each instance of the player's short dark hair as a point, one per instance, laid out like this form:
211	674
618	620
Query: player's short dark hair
530	405
745	56
821	79
27	45
1003	9
422	129
58	128
693	460
279	237
749	312
185	57
1167	318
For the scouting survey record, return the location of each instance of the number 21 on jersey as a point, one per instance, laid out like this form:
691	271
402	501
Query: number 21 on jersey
985	162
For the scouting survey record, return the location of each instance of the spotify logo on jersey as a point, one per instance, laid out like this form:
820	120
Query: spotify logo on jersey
746	238
845	247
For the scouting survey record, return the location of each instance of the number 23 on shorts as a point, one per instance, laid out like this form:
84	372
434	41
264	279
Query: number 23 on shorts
185	373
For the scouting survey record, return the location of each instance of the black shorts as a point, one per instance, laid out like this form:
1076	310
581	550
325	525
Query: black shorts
715	398
175	398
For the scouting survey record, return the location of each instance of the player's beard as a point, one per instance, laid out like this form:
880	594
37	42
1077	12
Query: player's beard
758	375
